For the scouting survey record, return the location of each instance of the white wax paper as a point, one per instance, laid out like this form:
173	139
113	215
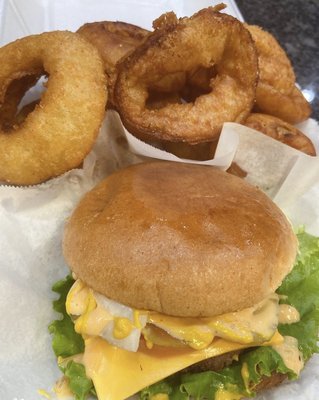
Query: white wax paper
32	218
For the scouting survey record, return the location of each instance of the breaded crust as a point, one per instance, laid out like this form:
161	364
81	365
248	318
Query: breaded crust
276	92
60	132
207	38
281	131
114	40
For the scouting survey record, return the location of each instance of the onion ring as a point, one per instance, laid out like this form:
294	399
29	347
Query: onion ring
208	38
114	40
281	131
276	92
60	132
292	108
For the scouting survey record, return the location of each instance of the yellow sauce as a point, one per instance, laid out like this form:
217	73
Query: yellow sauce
76	298
288	314
122	327
245	375
44	393
290	354
160	396
252	325
81	322
226	395
136	319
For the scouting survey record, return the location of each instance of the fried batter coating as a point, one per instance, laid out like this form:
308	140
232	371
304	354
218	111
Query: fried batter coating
60	132
276	92
164	20
206	39
114	40
292	108
281	131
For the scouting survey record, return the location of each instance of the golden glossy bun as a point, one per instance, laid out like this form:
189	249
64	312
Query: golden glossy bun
182	239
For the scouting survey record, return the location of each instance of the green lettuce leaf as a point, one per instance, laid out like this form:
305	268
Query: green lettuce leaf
262	361
79	383
203	385
65	341
299	289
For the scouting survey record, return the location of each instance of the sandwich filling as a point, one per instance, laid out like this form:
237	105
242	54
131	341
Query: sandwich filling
122	326
115	351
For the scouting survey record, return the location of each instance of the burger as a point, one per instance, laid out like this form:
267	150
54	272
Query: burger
186	283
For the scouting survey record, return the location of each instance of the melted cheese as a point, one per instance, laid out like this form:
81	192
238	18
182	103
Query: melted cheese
252	325
96	315
188	330
118	374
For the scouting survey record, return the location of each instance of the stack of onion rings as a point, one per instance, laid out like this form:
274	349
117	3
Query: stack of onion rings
176	85
276	92
60	132
160	97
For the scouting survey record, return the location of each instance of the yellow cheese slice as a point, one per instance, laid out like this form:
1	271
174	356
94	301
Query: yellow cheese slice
118	374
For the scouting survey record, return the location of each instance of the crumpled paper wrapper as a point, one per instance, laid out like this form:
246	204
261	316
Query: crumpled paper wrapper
32	218
288	176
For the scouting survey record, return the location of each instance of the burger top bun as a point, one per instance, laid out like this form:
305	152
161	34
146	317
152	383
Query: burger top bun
181	239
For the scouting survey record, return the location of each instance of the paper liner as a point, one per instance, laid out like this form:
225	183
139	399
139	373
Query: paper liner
223	158
283	172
